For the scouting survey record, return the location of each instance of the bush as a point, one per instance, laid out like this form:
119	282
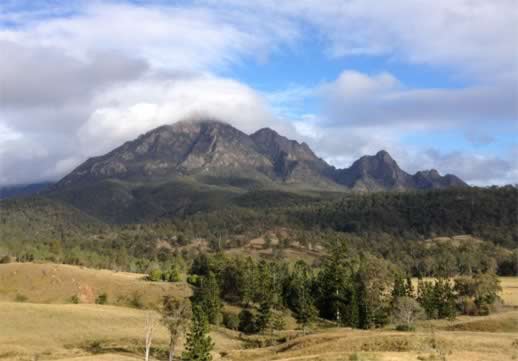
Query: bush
136	300
155	275
231	321
5	260
20	298
193	280
74	299
171	276
102	299
405	328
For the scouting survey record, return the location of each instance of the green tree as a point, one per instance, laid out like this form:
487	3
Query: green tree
208	296
198	343
426	298
301	300
334	284
264	316
445	299
247	322
487	287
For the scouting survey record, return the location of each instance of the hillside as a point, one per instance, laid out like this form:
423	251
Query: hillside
57	284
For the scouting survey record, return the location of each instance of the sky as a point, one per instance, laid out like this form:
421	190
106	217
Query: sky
433	83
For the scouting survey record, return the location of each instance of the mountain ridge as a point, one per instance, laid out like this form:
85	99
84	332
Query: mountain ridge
215	148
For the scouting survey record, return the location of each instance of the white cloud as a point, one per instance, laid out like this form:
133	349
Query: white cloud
360	99
123	113
476	37
170	37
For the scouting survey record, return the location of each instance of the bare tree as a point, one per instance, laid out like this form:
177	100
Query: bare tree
407	311
148	330
175	317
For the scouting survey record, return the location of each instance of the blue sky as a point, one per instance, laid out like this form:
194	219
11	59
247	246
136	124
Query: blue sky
434	84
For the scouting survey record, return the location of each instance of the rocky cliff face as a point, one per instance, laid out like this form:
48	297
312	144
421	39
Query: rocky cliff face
292	161
184	148
217	149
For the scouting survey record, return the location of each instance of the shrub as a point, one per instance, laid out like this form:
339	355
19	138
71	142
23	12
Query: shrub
74	299
20	298
354	357
405	328
193	280
231	321
94	347
5	259
136	300
154	275
102	299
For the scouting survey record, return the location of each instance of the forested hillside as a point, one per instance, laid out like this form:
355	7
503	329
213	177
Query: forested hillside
397	226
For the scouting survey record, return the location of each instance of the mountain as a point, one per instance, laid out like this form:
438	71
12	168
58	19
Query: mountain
197	166
432	179
381	172
293	162
23	190
212	149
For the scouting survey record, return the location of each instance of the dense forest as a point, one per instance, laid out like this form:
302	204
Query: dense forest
410	229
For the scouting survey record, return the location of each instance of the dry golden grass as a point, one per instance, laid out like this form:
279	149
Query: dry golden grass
51	331
72	332
509	290
342	345
52	283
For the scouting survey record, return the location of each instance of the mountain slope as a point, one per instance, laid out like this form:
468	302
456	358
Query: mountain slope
216	149
185	148
293	162
381	172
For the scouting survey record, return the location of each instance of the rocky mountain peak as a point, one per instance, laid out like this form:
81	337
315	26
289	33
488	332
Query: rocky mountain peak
273	144
213	148
375	172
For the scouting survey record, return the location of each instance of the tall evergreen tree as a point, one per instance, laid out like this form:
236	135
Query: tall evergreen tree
264	316
334	285
364	313
198	343
208	296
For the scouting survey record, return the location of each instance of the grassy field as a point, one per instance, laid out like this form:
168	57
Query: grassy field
48	327
94	332
509	290
52	283
52	331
